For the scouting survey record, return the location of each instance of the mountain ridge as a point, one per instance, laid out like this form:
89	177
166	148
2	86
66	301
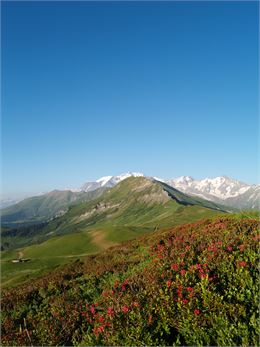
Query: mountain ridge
135	205
221	190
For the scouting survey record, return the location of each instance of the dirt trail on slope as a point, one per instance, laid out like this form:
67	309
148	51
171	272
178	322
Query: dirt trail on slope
98	238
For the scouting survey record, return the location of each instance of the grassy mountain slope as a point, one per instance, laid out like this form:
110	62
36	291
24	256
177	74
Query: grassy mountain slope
133	207
43	207
133	202
195	284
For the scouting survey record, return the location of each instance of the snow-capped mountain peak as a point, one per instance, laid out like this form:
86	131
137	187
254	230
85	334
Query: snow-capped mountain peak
184	180
104	180
109	181
221	187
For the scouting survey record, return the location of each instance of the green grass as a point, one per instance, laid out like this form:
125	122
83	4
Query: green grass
14	274
119	234
45	256
191	285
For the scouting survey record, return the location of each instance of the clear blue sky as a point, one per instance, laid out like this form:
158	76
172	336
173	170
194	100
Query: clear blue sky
93	89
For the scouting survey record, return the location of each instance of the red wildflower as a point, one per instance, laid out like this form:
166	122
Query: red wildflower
92	309
189	289
125	309
196	312
212	248
185	301
242	264
179	292
101	319
174	267
202	275
183	272
229	249
110	311
101	329
169	283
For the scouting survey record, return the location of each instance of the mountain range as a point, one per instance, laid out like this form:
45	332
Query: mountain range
55	228
221	190
46	206
224	190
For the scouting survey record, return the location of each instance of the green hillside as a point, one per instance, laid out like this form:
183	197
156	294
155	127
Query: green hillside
191	285
43	207
133	202
134	207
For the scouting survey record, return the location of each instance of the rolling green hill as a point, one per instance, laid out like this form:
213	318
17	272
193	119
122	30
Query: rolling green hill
43	207
133	207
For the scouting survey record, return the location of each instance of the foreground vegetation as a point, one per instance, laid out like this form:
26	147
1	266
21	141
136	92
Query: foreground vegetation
196	284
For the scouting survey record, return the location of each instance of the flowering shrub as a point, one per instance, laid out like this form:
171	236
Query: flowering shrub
196	284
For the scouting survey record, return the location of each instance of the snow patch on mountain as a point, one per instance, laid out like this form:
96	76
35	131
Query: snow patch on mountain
108	181
223	189
220	187
104	180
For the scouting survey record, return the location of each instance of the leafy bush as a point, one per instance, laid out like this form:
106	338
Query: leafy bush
196	284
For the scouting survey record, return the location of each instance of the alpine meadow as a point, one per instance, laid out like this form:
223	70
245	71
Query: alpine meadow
130	195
